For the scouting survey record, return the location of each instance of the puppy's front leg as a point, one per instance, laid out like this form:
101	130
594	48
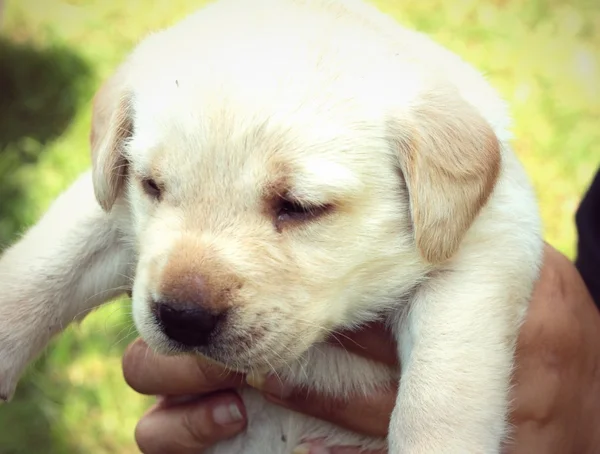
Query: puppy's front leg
456	348
68	263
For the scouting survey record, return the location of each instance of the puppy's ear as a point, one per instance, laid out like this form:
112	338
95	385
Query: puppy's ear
111	126
450	158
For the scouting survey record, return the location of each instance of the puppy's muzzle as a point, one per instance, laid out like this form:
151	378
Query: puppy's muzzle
189	309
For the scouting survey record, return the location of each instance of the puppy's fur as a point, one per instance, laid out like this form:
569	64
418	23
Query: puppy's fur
419	212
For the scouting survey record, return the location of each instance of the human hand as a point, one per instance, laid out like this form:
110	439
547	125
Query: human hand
198	406
558	369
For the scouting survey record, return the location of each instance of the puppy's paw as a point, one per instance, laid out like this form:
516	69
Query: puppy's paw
23	335
7	390
12	365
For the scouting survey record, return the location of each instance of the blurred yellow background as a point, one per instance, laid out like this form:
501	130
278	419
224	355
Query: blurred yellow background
543	56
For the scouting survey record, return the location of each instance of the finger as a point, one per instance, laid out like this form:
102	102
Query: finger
351	450
369	415
192	427
373	341
318	448
150	373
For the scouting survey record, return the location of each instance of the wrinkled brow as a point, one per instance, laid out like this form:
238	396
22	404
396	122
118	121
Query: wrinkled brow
314	180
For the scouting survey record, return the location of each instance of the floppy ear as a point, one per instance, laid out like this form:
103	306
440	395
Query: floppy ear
111	127
450	159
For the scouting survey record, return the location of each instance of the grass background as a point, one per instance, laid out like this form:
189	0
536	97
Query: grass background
543	55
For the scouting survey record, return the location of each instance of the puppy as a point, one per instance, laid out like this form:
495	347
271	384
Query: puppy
268	172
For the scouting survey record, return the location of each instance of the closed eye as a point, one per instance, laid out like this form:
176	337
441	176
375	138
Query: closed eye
291	211
151	188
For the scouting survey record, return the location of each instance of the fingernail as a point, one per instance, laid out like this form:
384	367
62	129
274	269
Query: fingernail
304	448
308	448
256	380
271	384
227	414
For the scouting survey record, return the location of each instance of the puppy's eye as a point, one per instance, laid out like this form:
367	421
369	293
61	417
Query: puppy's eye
151	188
292	211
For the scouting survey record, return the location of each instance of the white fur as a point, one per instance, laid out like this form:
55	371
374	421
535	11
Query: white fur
312	84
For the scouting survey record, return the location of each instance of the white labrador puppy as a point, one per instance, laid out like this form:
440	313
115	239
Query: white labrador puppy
271	171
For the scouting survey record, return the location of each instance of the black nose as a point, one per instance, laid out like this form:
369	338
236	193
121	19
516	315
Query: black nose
189	325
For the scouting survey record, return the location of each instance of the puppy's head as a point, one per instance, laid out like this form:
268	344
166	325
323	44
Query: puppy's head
274	205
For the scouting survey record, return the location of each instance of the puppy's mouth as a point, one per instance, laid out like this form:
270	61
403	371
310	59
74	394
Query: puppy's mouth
248	349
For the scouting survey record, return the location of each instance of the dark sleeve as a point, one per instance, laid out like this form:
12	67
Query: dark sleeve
588	247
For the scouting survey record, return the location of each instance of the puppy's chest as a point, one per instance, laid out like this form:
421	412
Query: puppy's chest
333	371
327	371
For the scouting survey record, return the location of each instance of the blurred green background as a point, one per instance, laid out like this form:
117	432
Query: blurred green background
543	55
